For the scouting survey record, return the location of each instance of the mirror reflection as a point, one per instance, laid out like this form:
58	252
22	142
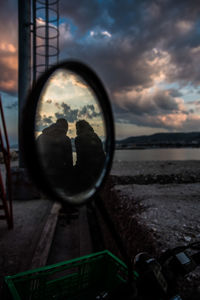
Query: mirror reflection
70	134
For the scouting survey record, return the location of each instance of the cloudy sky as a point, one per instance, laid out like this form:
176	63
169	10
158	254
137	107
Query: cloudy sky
147	54
67	96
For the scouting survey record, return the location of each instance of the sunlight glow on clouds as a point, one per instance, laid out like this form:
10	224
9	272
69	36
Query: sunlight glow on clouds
171	120
67	96
7	47
106	33
147	54
156	108
99	33
184	26
8	80
65	33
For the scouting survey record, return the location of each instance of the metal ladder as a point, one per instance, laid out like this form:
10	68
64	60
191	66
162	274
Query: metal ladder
5	194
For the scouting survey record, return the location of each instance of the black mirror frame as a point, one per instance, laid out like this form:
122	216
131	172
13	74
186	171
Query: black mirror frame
28	127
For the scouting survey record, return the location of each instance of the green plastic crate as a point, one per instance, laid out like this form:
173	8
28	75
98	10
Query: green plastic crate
87	277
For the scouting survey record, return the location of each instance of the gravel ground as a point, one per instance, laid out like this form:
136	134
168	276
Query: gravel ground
171	209
170	212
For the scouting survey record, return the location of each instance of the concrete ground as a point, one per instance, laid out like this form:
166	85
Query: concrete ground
43	232
39	238
17	245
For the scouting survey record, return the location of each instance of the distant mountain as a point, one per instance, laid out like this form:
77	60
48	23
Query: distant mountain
162	138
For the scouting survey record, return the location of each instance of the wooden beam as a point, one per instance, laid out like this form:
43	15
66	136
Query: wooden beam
42	250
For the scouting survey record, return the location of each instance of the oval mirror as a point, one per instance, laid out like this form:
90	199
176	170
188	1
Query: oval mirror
68	133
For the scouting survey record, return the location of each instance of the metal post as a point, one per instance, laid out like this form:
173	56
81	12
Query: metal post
34	40
6	154
24	60
47	35
57	24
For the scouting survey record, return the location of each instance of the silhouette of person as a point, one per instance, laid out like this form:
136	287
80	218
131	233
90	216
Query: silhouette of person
90	154
55	150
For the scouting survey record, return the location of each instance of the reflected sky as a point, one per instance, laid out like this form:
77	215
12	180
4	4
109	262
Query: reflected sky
67	96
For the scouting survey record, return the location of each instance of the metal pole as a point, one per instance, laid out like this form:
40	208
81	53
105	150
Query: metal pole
34	41
24	60
6	154
47	35
58	50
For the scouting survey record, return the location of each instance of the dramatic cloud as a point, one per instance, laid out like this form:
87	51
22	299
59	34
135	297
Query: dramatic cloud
8	47
69	114
72	115
66	36
156	109
138	47
83	13
42	121
146	52
150	102
135	28
8	66
175	93
88	112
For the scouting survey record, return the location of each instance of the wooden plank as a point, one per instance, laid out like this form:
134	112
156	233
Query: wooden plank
42	250
85	238
66	242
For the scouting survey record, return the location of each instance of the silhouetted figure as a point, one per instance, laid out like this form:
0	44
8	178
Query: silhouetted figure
55	150
90	155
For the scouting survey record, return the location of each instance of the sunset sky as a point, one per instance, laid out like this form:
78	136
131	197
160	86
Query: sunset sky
67	96
147	54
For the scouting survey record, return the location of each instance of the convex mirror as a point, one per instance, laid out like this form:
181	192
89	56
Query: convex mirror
68	132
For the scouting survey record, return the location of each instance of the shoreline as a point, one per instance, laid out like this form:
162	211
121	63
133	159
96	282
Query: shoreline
151	172
155	167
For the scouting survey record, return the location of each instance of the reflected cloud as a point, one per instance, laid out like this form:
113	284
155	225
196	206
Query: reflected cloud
67	96
65	78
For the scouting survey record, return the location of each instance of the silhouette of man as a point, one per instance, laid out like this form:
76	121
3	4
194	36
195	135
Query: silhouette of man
55	151
90	154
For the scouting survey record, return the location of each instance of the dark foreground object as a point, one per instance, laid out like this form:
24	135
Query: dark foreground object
95	276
